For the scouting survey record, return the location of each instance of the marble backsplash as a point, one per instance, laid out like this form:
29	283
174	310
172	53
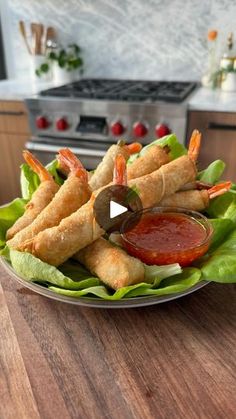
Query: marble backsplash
155	39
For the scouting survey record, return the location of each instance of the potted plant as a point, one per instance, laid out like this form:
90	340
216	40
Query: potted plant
65	63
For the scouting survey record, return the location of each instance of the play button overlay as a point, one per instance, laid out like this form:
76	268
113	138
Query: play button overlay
117	209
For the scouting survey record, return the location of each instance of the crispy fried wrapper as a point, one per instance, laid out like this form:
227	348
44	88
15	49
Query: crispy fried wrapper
153	187
57	244
111	264
71	196
155	157
104	172
40	199
194	200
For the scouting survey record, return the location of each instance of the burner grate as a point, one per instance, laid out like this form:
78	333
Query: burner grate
124	90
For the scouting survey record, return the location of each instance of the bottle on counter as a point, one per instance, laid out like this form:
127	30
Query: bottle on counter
227	66
227	60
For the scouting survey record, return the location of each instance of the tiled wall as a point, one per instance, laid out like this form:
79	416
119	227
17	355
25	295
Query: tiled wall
151	39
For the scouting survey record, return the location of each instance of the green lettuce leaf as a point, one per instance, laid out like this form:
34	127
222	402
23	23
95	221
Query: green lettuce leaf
178	283
221	265
230	213
213	172
155	274
176	149
8	215
52	168
33	269
221	227
72	279
30	180
223	206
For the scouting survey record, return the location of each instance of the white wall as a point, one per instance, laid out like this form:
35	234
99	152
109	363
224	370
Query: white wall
151	39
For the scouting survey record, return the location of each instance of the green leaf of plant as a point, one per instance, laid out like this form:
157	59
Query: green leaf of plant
44	68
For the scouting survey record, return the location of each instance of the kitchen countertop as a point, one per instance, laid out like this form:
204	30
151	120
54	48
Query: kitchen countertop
168	361
213	100
21	89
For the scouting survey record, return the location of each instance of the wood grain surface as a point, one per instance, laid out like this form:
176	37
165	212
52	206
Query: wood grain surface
175	360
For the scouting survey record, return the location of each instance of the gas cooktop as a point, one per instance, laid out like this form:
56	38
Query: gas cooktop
124	90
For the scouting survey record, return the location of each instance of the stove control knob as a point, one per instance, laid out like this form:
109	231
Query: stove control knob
140	130
62	124
162	130
42	122
117	128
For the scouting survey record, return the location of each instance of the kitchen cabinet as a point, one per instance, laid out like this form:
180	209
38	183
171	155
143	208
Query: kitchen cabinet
14	132
218	138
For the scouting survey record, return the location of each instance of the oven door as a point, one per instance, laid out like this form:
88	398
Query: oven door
46	152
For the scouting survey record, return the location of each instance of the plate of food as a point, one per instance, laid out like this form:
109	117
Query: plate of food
52	242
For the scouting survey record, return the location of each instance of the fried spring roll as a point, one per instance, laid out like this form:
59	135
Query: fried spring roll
111	264
196	200
55	245
155	157
72	195
104	172
193	200
40	199
153	187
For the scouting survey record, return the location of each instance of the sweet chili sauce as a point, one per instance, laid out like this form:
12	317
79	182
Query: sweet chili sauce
168	237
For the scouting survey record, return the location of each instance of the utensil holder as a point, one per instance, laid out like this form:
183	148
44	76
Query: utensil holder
62	76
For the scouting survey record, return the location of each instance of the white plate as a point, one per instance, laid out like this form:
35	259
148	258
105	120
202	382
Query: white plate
95	301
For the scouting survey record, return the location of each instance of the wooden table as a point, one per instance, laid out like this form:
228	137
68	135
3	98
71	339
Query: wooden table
175	360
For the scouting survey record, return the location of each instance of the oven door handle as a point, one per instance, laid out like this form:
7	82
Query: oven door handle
221	127
47	148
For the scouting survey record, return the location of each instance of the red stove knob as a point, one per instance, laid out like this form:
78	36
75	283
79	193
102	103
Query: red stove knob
140	130
117	128
62	124
42	122
162	130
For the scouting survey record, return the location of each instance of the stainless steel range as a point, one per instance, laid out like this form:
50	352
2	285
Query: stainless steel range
90	114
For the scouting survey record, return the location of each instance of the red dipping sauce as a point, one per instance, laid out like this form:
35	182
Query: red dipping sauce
167	235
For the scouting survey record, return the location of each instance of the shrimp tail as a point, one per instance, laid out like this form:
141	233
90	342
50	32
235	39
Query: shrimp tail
219	189
68	159
194	145
36	166
133	148
120	172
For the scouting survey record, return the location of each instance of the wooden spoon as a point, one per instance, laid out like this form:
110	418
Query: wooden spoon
23	33
37	30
